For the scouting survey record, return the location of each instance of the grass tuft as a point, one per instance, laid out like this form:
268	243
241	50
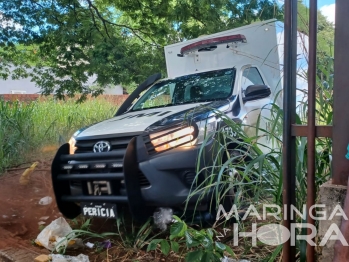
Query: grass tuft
41	126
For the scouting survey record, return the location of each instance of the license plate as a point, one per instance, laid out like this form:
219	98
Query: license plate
98	210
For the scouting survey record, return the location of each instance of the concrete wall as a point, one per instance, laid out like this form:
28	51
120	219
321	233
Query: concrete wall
6	87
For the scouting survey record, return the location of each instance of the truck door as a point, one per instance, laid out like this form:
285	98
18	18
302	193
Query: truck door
256	111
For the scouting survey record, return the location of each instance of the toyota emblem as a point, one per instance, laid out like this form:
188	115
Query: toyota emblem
101	146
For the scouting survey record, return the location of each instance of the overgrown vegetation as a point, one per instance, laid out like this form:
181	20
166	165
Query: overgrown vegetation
200	244
262	174
26	128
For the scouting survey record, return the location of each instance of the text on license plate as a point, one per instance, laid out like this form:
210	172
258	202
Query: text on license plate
98	210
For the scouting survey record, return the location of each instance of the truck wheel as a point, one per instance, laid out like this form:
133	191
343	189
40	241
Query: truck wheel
209	217
233	175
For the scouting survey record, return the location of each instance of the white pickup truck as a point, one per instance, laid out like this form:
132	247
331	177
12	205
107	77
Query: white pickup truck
146	155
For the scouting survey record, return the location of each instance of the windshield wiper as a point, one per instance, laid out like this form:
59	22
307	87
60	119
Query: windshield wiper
178	104
198	101
139	109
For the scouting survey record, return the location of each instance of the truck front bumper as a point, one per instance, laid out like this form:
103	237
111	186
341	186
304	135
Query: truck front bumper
131	176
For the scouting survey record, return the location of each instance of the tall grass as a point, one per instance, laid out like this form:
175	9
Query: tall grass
26	128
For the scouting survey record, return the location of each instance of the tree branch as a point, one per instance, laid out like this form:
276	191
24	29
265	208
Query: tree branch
99	16
134	31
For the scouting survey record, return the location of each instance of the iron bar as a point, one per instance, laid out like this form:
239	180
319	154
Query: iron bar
340	139
115	154
98	199
289	105
311	124
97	176
340	95
320	131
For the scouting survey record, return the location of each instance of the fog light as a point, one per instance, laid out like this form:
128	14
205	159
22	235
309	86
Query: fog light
116	165
67	167
100	165
85	166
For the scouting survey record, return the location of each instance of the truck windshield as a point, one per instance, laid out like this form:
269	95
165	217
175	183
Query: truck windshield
200	87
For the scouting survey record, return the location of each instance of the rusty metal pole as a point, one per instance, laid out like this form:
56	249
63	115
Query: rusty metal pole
311	122
340	130
289	106
341	95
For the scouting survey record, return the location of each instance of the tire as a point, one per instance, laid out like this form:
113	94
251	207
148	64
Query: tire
229	199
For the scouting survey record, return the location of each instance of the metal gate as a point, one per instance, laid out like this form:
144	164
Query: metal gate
339	132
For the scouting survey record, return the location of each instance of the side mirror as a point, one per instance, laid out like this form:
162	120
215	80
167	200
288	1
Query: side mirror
254	92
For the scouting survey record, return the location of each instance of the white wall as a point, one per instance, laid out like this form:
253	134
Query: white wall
22	85
6	86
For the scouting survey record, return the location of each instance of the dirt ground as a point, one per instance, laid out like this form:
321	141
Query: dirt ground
20	211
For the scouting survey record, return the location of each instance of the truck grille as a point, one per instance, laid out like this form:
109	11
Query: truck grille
107	165
86	146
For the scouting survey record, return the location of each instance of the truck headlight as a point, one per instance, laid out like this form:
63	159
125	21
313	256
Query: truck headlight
186	136
72	141
172	138
72	146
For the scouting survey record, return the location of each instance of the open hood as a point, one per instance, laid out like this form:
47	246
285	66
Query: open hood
152	119
136	121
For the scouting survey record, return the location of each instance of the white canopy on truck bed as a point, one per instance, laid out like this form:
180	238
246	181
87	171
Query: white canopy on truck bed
259	44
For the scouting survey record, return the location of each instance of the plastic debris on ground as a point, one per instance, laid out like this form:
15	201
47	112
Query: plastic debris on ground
89	245
227	259
100	245
54	236
163	217
45	201
107	244
42	258
64	258
25	177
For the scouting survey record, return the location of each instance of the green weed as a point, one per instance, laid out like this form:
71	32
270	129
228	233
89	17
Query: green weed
26	128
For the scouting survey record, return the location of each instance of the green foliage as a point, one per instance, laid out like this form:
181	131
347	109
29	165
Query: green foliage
119	42
325	35
200	244
325	29
62	245
16	125
82	223
29	127
132	235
